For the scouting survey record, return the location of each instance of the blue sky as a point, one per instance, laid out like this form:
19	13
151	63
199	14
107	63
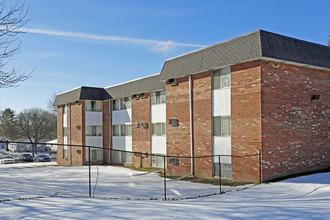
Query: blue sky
72	43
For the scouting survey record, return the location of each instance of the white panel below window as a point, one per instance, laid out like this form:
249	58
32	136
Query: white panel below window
222	146
158	145
221	102
122	143
94	141
93	118
65	120
121	116
158	113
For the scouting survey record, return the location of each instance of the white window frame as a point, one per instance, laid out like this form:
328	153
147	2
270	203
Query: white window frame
93	106
94	130
158	97
220	130
221	78
158	129
121	104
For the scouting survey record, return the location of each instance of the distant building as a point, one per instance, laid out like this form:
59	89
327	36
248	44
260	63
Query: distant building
3	146
51	146
26	146
259	92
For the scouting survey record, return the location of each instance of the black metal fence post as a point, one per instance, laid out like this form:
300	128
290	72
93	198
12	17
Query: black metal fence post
89	171
219	173
164	177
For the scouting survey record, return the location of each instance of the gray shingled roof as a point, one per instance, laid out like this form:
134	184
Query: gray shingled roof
256	45
81	93
147	84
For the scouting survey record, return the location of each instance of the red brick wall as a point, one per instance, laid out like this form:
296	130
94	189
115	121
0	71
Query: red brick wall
245	120
110	130
202	122
106	134
141	137
295	129
60	134
75	154
178	138
77	136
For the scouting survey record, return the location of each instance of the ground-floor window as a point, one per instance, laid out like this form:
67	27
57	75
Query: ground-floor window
122	157
225	170
96	154
65	152
157	161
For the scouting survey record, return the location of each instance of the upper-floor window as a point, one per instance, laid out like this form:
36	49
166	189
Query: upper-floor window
65	131
115	130
221	78
65	109
94	130
158	97
93	106
122	130
126	130
158	129
121	104
221	126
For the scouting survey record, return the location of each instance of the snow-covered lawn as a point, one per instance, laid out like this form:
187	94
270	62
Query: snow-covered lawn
305	197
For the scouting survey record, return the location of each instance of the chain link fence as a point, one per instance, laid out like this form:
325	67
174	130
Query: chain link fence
117	174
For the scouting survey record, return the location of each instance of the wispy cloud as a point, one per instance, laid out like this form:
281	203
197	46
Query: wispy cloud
154	45
43	54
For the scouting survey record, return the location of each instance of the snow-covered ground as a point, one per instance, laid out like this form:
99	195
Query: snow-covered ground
305	197
32	180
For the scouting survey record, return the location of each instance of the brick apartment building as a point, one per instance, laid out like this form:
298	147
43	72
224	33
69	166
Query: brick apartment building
260	92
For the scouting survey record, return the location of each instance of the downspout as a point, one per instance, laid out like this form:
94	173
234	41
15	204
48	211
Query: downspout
191	127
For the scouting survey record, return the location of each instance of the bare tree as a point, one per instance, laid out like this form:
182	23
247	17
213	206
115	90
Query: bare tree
50	103
12	18
36	125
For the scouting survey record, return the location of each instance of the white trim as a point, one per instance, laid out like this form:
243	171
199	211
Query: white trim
69	90
120	84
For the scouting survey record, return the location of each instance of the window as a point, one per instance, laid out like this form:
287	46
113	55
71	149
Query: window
96	154
64	109
221	78
157	161
94	130
122	157
158	129
125	103
121	104
65	152
126	130
158	98
65	131
116	105
221	126
93	106
115	130
225	170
